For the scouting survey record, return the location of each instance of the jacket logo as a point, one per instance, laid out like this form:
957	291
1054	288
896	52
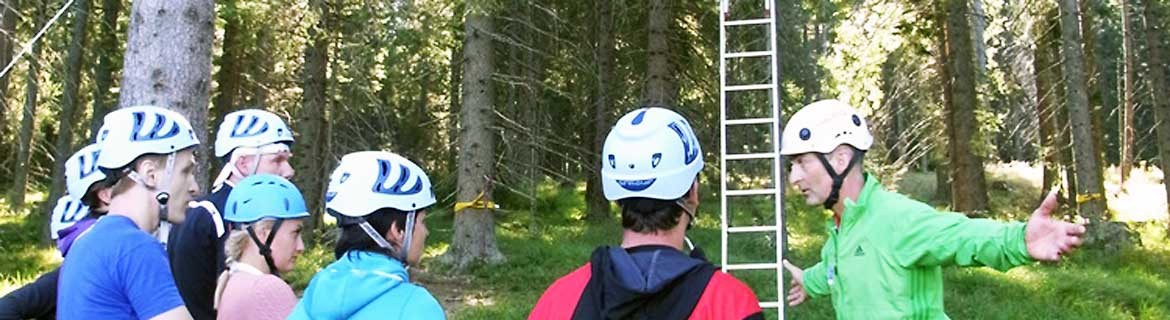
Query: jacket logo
859	252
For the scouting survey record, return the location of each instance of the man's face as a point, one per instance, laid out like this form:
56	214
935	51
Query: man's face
273	163
183	185
808	175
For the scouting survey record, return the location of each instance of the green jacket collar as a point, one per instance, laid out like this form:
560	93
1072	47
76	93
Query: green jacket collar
854	209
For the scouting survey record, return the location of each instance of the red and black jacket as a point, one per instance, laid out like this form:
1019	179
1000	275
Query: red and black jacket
647	282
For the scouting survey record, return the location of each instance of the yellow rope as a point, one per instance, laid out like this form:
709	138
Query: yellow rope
1082	198
477	203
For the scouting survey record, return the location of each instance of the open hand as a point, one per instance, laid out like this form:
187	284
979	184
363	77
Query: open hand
796	294
1047	239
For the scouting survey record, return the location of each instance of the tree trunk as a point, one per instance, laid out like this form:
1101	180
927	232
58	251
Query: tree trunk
660	86
8	44
1047	76
28	117
1093	91
978	26
474	240
533	118
312	123
1088	171
597	206
1127	83
1155	29
108	57
69	100
168	64
228	77
968	187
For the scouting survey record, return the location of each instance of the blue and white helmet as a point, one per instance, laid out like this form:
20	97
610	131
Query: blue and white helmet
67	212
81	171
822	126
370	180
129	133
650	153
250	128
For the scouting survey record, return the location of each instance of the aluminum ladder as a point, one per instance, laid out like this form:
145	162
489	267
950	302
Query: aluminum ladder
731	23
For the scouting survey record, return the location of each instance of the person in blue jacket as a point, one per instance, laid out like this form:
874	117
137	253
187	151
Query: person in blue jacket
380	201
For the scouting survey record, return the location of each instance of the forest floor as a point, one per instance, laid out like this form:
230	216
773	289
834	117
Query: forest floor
1133	283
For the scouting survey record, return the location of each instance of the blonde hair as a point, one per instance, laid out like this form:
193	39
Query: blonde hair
233	249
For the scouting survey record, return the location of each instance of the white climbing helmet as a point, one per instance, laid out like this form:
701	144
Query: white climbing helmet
249	132
129	133
81	171
650	153
822	126
370	180
67	212
250	128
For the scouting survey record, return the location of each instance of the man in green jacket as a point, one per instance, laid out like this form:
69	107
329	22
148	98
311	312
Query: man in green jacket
885	252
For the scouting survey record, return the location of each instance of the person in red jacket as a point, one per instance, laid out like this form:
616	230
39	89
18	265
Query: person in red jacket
650	165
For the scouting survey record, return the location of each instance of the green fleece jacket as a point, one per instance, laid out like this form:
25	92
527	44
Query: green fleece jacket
885	259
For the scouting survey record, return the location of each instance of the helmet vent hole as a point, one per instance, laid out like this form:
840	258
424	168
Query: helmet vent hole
856	120
805	134
631	166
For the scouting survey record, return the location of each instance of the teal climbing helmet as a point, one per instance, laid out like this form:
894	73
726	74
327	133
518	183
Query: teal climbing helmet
264	196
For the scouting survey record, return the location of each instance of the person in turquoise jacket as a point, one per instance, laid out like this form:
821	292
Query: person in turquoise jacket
380	201
885	252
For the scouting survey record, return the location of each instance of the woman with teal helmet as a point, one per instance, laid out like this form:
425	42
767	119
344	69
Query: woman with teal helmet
267	212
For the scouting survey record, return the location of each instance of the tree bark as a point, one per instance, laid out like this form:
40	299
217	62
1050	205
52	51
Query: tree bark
69	100
1047	76
108	57
312	123
1127	83
474	239
660	89
1088	171
28	117
168	64
1155	16
968	187
597	207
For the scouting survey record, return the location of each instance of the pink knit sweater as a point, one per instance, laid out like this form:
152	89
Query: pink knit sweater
256	297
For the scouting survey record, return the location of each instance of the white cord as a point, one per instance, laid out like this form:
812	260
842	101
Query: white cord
28	46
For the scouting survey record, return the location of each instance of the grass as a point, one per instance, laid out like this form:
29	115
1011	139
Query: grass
1132	284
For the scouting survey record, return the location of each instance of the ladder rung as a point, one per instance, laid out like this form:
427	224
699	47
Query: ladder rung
747	54
750	266
747	22
752	229
750	121
750	192
749	156
770	304
747	87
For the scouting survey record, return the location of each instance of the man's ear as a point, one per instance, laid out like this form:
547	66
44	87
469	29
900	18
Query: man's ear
242	163
693	198
842	155
105	195
148	169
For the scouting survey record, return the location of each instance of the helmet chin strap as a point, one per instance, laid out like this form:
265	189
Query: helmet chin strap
838	178
403	254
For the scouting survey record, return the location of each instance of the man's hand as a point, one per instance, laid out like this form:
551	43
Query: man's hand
1047	238
796	295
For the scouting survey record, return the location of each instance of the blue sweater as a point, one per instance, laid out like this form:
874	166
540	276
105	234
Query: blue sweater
364	285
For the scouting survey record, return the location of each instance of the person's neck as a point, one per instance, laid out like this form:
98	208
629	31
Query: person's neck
256	260
850	189
671	238
139	205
